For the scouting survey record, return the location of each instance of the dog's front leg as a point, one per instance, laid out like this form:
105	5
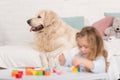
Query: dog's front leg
44	60
51	61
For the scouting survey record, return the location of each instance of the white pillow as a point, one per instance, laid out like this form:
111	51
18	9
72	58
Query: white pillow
19	56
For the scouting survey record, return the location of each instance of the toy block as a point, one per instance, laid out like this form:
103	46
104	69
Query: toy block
47	73
79	69
29	71
47	69
34	72
14	72
77	66
20	72
74	70
39	73
54	70
18	75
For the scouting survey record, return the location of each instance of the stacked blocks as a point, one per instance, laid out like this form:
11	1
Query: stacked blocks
17	74
14	72
41	72
76	69
47	72
29	71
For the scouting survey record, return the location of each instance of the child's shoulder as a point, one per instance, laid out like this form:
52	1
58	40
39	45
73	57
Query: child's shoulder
100	58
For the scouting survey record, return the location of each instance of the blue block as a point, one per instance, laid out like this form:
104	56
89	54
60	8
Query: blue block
78	69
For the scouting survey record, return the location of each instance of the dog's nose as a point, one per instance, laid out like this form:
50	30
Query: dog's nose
28	21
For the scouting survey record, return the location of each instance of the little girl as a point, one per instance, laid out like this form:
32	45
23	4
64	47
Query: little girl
92	56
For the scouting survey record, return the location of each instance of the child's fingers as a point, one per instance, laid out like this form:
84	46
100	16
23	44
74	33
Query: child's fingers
74	62
62	59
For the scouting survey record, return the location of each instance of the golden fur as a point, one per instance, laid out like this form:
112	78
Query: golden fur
52	35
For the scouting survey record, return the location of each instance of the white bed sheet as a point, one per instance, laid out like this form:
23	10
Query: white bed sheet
114	69
113	47
19	56
67	75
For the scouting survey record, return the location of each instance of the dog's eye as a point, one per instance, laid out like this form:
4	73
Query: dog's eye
39	17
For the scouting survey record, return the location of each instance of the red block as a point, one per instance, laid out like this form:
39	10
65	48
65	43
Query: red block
20	72
54	70
19	75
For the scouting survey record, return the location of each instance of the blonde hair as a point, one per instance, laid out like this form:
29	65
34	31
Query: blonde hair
95	43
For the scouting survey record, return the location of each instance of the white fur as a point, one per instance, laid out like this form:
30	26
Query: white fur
55	37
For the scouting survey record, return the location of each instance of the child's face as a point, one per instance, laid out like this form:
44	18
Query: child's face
83	45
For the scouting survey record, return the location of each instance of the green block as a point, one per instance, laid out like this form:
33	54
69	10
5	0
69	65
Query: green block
39	73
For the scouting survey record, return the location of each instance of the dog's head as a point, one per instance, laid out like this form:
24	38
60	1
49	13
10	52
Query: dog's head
43	20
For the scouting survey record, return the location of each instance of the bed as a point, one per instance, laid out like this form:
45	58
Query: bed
19	56
26	56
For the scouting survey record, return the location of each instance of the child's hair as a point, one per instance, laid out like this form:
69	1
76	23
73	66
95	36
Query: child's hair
95	43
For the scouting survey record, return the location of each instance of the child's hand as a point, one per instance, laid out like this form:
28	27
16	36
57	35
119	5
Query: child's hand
76	61
62	59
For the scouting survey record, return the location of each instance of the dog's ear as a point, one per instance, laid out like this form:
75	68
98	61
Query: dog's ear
43	14
50	18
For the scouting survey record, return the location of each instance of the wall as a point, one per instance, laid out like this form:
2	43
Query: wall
14	13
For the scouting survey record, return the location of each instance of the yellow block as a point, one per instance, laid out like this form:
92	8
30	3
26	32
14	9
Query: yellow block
75	70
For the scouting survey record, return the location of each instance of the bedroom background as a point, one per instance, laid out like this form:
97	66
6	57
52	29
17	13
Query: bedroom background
13	15
15	34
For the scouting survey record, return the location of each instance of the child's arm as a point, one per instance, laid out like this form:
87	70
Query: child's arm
99	65
88	63
96	66
65	59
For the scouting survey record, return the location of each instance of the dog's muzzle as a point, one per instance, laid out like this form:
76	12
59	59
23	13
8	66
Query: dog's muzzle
40	27
35	28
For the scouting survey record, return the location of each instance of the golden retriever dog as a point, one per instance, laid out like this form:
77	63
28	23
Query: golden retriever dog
52	36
